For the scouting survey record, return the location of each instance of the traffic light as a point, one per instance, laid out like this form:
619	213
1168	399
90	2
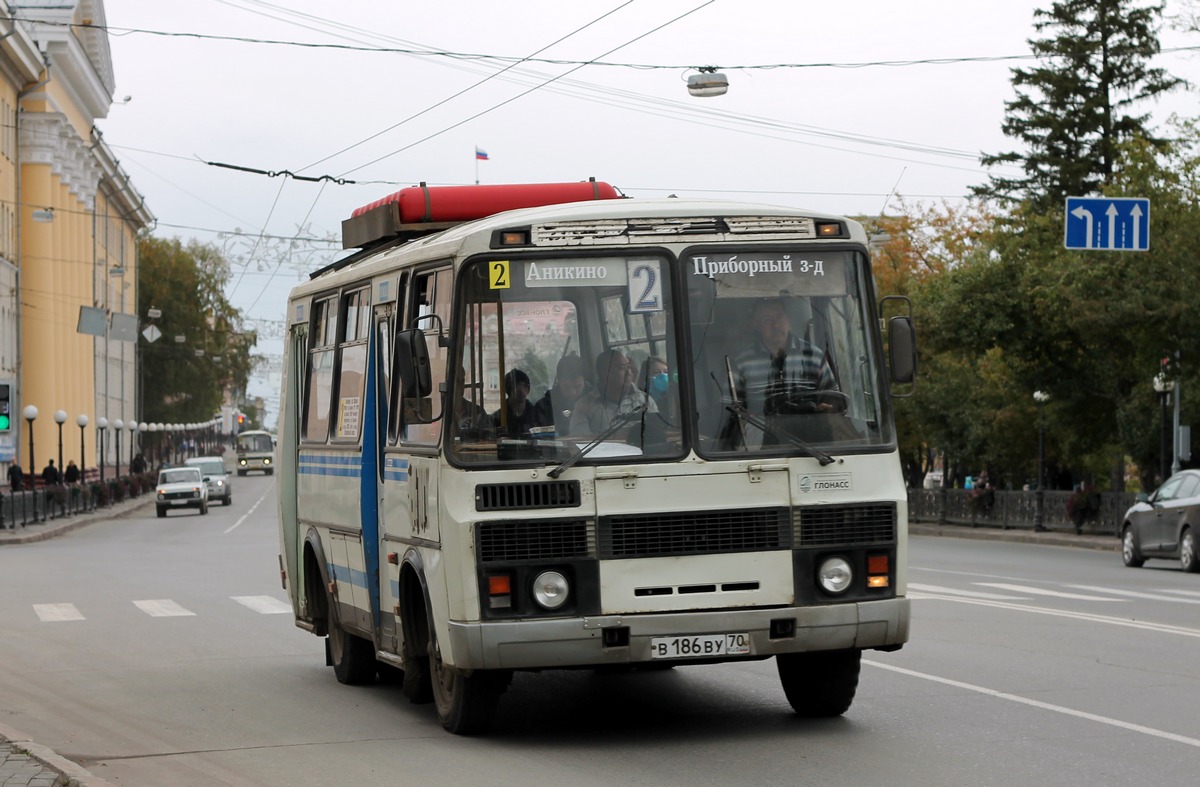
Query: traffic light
5	407
241	420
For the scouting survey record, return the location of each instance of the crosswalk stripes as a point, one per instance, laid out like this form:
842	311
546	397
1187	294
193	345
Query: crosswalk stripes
160	608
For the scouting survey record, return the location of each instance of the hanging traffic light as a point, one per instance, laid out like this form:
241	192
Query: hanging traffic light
5	407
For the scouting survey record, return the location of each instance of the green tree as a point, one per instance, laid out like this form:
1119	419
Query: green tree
1076	107
185	381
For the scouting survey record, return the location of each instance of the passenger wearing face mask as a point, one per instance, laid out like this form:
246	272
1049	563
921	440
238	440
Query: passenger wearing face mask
654	379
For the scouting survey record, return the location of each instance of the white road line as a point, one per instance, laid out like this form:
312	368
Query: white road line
1136	594
162	608
55	613
1044	592
1161	628
246	515
967	593
1193	593
1125	725
267	605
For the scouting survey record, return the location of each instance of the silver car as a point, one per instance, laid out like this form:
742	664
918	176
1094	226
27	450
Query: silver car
180	487
216	476
1165	523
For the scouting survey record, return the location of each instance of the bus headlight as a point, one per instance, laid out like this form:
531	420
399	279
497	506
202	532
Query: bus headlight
550	590
835	575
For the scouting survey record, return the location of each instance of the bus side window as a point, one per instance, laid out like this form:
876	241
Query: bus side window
352	363
433	291
320	371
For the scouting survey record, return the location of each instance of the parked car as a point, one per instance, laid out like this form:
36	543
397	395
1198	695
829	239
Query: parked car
1165	524
181	487
216	476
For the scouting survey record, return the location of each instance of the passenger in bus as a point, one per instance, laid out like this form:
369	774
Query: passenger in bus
558	403
518	415
654	380
777	374
615	395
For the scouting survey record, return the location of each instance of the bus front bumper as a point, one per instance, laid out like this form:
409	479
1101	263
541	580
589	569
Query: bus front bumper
630	639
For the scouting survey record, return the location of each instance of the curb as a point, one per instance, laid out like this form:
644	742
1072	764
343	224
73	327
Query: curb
72	774
52	528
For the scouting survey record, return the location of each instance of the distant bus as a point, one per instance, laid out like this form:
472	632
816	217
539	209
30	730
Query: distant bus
430	521
255	451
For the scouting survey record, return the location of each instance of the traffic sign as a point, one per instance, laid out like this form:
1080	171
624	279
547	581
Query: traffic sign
1108	223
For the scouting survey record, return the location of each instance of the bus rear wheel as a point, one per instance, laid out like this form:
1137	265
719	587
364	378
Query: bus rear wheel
820	684
466	701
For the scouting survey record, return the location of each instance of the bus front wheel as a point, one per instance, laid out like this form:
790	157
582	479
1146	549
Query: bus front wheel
820	684
466	702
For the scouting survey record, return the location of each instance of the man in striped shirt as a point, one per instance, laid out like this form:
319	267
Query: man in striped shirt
781	373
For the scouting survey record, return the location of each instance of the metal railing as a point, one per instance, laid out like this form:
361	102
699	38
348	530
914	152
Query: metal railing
1017	509
35	506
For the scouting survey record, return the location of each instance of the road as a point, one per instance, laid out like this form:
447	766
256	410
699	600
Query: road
158	652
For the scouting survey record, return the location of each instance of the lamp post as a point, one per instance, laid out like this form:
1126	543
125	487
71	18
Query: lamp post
143	427
1164	388
31	414
133	430
117	426
1039	519
82	420
101	427
60	418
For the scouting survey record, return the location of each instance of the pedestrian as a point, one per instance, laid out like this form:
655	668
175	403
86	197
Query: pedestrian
71	476
50	474
16	477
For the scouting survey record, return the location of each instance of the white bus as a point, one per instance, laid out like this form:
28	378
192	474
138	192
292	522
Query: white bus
255	451
432	523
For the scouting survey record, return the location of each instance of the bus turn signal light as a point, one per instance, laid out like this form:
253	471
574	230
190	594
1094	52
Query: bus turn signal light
877	571
499	591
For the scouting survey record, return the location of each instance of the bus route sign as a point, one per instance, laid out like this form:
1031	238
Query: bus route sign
1108	223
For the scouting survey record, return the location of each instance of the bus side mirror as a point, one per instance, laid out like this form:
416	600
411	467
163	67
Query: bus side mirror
902	349
412	364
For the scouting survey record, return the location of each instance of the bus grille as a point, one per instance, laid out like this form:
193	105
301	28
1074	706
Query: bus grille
505	542
859	524
694	533
506	497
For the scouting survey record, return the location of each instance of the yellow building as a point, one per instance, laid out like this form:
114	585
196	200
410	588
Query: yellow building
69	326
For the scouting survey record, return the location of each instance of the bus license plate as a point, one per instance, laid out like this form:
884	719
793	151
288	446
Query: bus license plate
699	647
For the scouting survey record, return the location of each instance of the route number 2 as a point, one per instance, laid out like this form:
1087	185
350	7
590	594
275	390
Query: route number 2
645	286
498	275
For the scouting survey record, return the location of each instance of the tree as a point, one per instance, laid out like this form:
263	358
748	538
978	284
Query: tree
1074	110
185	381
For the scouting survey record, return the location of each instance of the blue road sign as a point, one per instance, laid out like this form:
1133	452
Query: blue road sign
1108	224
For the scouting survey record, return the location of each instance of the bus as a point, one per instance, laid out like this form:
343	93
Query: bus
255	451
432	526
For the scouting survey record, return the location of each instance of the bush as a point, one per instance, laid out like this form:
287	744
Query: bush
1083	505
100	493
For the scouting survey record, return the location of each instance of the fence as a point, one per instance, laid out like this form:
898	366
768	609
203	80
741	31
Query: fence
1017	510
37	505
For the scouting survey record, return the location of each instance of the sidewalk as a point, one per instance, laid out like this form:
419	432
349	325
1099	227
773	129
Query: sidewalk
26	764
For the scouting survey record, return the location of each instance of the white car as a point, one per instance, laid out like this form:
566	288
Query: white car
216	476
181	487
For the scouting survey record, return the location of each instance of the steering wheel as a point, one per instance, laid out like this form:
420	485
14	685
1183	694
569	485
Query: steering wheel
799	401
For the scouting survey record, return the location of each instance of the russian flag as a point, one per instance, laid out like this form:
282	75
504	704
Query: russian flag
481	154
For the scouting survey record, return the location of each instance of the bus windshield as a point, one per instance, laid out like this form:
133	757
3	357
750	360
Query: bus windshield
254	443
561	356
781	352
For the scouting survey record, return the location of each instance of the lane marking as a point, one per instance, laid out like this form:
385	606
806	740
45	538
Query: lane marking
1161	628
267	605
1043	592
1195	593
968	593
1125	725
246	515
1137	594
162	608
56	613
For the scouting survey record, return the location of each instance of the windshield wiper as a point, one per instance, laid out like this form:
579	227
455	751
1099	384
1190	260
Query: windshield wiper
618	422
745	417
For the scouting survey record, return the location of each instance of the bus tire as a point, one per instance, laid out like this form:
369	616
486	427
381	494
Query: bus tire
353	657
466	701
820	684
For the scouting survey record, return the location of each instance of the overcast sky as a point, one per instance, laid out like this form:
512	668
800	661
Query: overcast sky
836	139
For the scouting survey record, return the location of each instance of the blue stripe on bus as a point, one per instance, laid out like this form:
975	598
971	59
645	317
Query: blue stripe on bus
339	465
348	575
395	468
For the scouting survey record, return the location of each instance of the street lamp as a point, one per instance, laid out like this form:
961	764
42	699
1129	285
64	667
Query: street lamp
133	430
60	418
117	426
31	413
82	420
101	427
1164	388
1041	397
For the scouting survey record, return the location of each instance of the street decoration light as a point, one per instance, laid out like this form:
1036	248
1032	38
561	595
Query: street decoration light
82	421
117	426
101	428
60	418
31	413
1041	397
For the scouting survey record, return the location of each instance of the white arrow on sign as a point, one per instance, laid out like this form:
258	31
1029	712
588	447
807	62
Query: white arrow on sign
151	333
1081	213
1136	213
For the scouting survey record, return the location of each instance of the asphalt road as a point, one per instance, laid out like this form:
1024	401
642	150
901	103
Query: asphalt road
157	652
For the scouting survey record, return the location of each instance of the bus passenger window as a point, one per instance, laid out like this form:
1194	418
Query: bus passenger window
320	371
